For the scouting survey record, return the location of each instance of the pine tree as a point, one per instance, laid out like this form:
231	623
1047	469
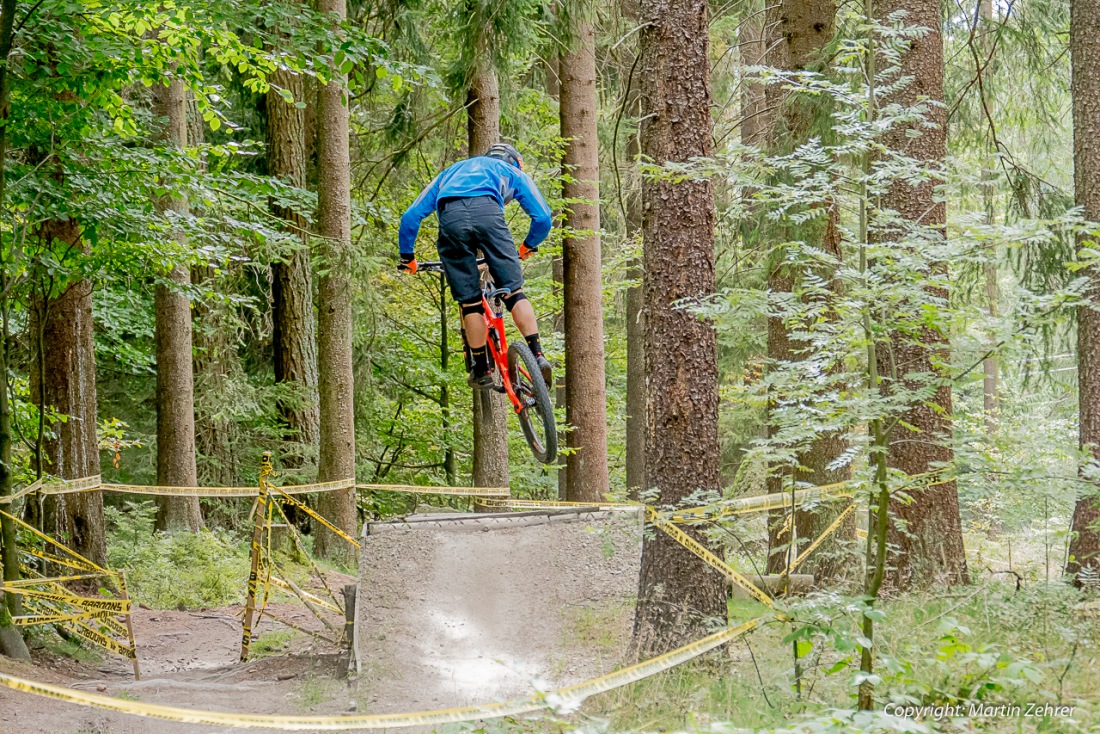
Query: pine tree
927	531
677	595
1084	546
175	379
799	32
586	399
336	379
293	334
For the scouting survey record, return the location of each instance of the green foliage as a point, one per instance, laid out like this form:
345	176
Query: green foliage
178	570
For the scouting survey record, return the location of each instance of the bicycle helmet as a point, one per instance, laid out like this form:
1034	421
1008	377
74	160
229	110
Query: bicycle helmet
505	152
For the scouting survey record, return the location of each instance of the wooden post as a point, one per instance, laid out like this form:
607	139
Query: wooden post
129	622
259	513
349	627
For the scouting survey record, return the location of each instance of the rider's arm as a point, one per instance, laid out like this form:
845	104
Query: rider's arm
528	196
414	215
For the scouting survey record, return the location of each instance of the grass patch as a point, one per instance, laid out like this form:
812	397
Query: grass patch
271	643
314	691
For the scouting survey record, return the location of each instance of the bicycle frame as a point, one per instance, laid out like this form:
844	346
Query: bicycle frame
497	341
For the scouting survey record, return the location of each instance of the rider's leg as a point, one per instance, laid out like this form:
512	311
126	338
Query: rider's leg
473	320
522	313
476	333
524	317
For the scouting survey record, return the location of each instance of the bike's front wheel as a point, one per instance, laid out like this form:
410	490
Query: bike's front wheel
536	416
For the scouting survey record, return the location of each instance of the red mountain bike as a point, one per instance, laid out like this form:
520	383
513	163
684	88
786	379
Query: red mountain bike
515	372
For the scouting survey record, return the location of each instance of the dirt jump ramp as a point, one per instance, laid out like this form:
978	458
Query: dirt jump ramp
472	608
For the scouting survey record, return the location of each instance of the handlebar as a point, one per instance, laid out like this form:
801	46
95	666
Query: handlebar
436	266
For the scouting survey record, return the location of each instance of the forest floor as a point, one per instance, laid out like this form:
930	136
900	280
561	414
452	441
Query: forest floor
447	618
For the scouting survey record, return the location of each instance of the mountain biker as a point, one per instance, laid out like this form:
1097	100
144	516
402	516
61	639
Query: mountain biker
469	198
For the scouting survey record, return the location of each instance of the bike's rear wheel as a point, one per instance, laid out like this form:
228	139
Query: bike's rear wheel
536	417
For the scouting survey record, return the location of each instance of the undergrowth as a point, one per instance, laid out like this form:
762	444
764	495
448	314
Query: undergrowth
175	570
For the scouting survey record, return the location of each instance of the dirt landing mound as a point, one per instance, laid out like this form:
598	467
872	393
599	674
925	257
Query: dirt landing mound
457	610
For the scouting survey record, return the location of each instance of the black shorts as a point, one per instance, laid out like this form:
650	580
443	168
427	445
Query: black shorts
470	226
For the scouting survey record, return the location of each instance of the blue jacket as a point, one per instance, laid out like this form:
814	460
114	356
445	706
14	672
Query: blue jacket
480	176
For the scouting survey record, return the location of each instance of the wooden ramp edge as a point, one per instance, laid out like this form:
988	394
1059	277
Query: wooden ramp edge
482	521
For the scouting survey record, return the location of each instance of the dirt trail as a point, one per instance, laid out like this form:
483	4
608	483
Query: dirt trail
453	614
447	617
188	659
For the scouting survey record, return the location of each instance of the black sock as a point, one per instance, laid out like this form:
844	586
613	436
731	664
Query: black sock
533	342
480	360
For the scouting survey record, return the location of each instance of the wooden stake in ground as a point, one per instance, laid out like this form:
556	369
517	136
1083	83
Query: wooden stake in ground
175	379
678	596
336	379
586	398
1084	546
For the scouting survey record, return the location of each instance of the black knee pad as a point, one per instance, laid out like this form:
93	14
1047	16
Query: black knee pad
512	299
472	308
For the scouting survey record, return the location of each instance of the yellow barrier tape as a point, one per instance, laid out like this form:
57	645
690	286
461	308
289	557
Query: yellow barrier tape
98	638
550	504
306	509
301	629
17	586
31	620
95	482
72	486
88	565
824	534
7	500
313	598
115	606
761	503
51	558
568	696
225	491
709	558
781	500
459	491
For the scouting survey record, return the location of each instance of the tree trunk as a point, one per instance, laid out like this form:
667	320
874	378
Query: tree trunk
490	408
11	640
334	325
925	534
292	282
798	31
1084	545
586	401
175	380
635	347
677	593
68	387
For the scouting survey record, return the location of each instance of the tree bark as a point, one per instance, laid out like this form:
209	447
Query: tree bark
635	347
797	34
490	408
292	281
925	534
175	380
11	640
677	594
586	400
336	383
1084	545
69	388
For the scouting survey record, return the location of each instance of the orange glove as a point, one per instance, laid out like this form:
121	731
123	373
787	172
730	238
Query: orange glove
525	251
408	264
